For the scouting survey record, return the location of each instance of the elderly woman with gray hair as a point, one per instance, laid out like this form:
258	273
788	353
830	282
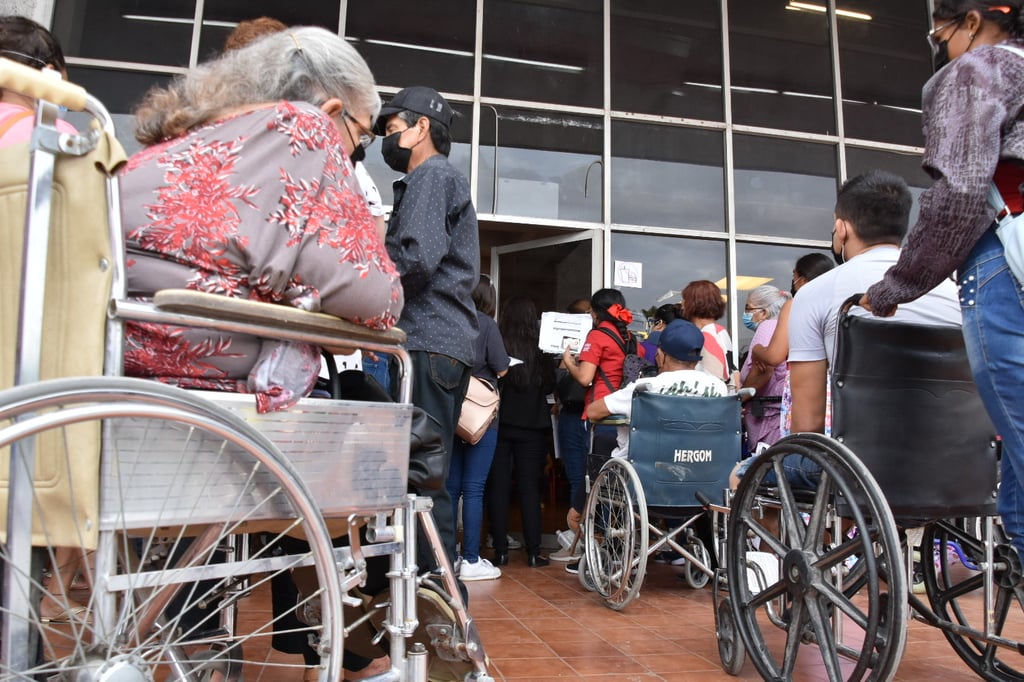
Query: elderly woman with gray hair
247	190
761	418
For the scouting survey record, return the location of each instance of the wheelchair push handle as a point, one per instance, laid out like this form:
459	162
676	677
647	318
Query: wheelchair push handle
844	309
46	85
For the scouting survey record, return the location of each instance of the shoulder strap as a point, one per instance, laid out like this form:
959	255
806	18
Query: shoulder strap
12	120
614	336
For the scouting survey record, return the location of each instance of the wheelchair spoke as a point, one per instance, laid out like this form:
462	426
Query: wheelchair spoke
820	620
794	635
816	524
791	525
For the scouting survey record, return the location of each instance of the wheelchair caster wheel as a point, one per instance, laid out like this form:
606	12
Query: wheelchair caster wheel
730	646
695	577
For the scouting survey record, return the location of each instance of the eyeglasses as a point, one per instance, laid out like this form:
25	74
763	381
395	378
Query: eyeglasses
748	309
931	35
366	136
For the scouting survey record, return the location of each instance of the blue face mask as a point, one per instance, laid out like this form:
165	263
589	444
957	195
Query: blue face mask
748	321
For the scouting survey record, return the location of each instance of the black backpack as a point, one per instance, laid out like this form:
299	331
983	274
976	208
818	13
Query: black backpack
633	367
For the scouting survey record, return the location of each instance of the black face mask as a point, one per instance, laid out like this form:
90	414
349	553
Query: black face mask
358	154
397	158
839	258
940	57
792	287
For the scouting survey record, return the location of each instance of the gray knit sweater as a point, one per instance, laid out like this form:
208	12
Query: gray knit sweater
972	120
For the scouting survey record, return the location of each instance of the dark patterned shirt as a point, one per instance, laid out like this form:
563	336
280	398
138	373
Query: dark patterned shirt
972	120
434	241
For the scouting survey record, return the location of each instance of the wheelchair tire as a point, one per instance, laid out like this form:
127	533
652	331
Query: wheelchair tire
616	533
805	597
695	577
730	646
583	573
166	573
954	592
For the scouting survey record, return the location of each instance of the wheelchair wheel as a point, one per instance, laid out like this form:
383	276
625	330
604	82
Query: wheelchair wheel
695	577
955	589
181	481
730	646
586	580
805	603
616	534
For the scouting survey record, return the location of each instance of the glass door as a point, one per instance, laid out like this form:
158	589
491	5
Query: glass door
554	271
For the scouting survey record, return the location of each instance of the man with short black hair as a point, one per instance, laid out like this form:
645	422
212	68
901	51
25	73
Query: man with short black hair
434	242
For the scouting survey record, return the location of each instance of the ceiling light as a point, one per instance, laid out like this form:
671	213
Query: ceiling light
744	282
492	57
178	20
811	7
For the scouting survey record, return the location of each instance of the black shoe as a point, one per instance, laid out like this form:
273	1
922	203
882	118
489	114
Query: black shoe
573	568
501	558
536	561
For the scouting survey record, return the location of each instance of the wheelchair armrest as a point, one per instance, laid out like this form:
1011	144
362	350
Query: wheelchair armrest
275	321
613	420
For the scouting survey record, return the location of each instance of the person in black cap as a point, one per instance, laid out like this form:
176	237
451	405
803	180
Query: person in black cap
679	352
433	240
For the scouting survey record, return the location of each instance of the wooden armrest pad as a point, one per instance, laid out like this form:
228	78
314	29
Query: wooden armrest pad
185	301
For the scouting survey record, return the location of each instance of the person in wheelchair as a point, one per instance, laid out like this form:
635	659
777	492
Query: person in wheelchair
871	219
247	189
677	358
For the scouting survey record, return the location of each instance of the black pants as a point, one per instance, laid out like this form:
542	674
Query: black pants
524	452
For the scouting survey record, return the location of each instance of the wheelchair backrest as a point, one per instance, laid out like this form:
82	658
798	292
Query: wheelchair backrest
905	402
681	445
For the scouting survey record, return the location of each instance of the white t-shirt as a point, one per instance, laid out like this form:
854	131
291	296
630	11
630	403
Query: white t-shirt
815	312
691	382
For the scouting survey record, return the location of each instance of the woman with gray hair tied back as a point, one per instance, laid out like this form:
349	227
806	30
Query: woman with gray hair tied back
761	417
247	191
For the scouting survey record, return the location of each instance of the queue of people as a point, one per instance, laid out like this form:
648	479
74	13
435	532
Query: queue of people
248	187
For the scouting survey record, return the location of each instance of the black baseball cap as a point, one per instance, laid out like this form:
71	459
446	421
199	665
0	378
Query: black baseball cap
418	99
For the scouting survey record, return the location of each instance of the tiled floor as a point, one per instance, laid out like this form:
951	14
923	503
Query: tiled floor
540	624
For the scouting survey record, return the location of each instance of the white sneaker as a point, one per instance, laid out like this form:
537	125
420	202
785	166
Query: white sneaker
481	569
565	538
566	553
512	542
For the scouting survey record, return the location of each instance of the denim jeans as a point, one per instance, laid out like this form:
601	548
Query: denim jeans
467	478
438	387
992	302
574	443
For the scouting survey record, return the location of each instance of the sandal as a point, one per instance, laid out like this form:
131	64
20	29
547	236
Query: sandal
79	614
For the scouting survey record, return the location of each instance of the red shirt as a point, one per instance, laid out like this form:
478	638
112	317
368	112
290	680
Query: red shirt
601	350
1008	178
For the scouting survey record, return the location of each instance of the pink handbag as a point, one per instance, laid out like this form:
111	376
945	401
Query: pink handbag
478	411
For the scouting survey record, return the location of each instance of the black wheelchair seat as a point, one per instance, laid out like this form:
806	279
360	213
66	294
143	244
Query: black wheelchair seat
905	402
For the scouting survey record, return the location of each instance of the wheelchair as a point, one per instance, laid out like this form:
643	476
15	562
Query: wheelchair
681	451
818	562
176	508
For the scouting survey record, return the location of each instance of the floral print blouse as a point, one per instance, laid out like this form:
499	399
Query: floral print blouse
262	205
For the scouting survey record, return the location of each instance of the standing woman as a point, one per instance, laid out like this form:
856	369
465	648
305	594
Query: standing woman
471	464
764	304
599	368
525	422
974	135
703	305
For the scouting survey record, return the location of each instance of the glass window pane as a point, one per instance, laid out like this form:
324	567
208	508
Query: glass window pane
769	265
669	264
416	43
766	42
221	16
544	52
784	188
543	159
666	57
130	30
667	176
461	133
908	165
883	63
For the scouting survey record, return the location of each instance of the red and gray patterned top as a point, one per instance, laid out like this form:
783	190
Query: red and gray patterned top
264	206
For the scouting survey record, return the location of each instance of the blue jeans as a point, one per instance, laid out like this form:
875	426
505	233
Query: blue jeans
378	369
992	303
467	477
574	443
